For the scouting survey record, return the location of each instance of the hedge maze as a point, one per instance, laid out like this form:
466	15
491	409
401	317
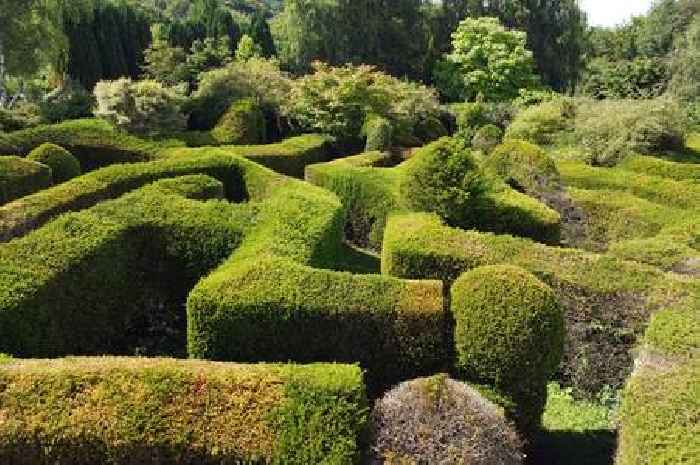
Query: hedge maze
201	297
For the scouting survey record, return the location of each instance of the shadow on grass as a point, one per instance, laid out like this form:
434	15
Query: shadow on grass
358	261
574	448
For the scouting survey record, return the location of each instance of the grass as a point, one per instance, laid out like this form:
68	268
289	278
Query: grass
575	432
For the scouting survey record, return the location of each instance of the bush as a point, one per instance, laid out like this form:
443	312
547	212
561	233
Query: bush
64	166
19	177
337	101
429	129
443	177
243	123
142	107
70	101
509	332
379	132
12	120
440	421
629	126
486	138
524	166
180	412
257	78
541	124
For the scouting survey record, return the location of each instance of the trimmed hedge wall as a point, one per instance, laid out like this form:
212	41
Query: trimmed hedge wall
85	282
509	333
93	142
607	300
20	177
123	411
242	123
266	304
369	192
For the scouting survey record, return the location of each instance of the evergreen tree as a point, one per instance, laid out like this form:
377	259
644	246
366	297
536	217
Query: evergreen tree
259	31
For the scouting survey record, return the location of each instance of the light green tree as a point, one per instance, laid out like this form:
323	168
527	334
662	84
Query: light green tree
247	49
488	62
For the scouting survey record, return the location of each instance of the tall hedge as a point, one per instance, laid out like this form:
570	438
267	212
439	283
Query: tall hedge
242	123
124	411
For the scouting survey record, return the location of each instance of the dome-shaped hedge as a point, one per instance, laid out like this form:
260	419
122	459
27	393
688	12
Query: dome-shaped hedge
486	138
243	123
441	422
509	333
63	164
523	165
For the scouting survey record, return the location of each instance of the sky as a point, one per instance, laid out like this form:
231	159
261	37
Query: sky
613	12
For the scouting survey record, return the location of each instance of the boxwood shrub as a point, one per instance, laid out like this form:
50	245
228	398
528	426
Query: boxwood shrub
524	166
509	332
63	164
123	411
20	177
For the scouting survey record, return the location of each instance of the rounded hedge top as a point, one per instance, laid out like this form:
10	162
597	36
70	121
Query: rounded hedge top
524	165
509	325
440	421
63	164
243	123
442	177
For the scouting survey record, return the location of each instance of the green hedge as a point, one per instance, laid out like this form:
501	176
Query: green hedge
242	123
369	189
523	165
656	167
242	180
509	333
64	166
266	303
608	301
20	177
85	283
95	143
123	411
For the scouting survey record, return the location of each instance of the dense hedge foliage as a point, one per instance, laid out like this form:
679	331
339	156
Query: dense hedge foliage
607	300
179	412
523	166
242	123
64	166
378	133
509	332
540	124
94	143
438	420
20	177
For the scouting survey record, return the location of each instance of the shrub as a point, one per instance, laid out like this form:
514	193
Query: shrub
629	126
509	331
180	412
142	107
429	129
12	120
243	123
486	138
71	101
337	100
540	124
64	166
440	421
19	177
378	132
443	177
257	78
524	166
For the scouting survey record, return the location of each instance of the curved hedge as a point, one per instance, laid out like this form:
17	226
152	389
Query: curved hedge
509	332
124	411
85	283
93	142
63	164
20	177
523	165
